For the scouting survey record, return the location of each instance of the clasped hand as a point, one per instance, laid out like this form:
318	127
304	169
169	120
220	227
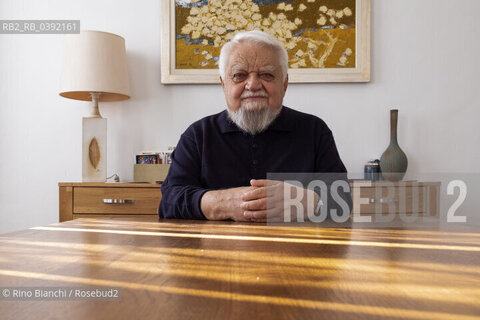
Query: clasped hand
274	200
261	200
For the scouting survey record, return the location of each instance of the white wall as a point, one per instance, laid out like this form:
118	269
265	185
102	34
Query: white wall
424	62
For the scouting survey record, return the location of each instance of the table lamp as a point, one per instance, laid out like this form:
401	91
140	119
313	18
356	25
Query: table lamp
94	69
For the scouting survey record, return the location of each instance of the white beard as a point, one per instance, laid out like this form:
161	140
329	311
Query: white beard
254	116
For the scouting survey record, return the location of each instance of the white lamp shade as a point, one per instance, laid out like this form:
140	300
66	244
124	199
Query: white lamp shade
95	61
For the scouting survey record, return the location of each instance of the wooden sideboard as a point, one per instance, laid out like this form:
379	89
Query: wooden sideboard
86	199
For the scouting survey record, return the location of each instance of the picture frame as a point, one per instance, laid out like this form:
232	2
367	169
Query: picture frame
171	73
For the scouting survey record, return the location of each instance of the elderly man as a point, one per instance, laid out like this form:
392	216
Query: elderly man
220	165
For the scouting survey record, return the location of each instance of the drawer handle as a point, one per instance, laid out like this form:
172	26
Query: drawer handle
119	201
383	200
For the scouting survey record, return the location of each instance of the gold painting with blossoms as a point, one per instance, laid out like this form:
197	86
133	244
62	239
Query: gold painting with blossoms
326	40
316	33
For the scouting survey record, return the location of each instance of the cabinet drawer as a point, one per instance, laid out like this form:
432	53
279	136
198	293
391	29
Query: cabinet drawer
392	200
116	200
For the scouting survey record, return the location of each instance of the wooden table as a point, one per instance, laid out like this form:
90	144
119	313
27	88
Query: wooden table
176	269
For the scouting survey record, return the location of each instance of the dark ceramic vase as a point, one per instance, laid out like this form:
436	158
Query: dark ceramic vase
393	162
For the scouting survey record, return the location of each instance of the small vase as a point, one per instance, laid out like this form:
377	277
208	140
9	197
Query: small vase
393	162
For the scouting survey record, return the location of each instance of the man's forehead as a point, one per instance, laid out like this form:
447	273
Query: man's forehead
248	57
246	66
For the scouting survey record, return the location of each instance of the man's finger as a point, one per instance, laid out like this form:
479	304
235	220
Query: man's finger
263	182
254	205
254	194
258	183
272	186
255	214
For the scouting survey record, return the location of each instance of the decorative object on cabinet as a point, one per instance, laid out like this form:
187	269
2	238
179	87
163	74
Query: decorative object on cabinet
94	69
393	162
372	170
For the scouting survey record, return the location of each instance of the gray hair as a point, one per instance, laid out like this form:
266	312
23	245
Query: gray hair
254	37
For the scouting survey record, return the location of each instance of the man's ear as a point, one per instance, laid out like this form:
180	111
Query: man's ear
285	84
221	81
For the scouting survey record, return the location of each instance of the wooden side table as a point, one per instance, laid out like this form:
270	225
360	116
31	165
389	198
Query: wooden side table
85	199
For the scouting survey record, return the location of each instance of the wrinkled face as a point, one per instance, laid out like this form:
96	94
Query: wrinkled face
253	78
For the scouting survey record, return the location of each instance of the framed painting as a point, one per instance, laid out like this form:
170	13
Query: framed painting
326	40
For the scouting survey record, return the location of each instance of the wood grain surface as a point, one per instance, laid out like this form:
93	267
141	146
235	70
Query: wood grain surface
174	269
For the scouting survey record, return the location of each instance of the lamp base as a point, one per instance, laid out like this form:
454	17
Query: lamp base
94	149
